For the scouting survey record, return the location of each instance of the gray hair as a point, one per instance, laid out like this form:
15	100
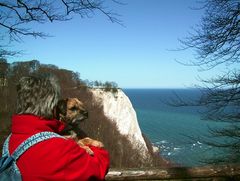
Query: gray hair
37	95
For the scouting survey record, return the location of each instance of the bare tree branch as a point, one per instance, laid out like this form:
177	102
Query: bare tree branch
15	16
217	38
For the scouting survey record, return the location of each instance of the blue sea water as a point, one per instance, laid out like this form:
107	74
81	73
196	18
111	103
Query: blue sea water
169	127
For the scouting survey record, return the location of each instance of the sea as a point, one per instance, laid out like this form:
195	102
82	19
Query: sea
177	131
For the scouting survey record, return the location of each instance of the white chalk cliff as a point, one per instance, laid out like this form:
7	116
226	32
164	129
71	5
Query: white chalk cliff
118	108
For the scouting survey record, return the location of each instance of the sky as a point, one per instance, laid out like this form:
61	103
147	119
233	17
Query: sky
137	55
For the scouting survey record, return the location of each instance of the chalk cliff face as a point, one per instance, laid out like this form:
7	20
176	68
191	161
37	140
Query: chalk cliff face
118	108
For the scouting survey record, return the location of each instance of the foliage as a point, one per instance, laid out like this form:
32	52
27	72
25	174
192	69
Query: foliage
107	86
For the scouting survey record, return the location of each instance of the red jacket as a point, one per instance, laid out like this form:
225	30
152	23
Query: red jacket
54	159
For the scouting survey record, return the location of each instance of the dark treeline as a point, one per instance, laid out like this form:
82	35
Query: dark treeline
98	126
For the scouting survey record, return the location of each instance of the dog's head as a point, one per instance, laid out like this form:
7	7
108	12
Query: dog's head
70	111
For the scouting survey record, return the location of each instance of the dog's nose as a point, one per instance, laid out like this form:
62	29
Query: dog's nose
85	113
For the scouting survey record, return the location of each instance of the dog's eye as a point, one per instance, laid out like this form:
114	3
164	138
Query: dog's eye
73	109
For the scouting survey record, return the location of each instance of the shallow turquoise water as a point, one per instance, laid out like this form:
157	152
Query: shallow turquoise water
169	127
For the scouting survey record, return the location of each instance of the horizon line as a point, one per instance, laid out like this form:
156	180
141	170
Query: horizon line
158	88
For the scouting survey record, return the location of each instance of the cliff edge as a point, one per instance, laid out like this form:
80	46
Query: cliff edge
118	108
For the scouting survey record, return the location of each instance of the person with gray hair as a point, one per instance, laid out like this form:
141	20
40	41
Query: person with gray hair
37	95
57	158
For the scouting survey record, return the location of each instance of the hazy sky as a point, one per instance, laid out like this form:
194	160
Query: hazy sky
136	55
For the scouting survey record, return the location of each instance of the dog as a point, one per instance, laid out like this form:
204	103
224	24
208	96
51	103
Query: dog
71	111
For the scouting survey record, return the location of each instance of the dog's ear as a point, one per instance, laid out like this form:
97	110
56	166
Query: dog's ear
61	108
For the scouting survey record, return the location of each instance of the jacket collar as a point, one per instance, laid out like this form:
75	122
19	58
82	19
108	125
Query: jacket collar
31	124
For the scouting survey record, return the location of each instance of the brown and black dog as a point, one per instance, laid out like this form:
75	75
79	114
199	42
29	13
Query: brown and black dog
71	111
